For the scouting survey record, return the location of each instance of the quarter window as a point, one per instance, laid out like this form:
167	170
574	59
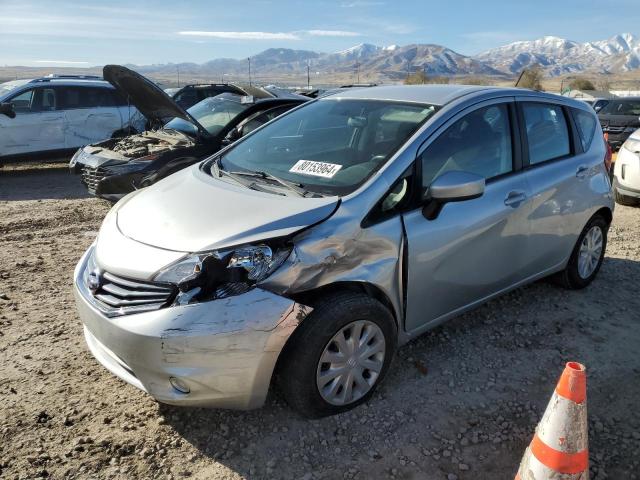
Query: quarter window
586	123
479	142
547	132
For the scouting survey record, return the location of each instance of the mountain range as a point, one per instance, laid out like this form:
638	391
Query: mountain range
556	56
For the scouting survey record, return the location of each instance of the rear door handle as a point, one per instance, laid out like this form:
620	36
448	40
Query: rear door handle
582	170
515	198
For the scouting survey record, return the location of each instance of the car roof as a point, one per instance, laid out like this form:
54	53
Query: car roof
428	94
624	99
437	94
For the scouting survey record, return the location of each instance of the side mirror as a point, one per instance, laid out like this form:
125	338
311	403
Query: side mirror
452	186
232	136
7	109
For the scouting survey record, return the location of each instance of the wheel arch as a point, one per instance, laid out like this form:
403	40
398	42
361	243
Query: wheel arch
604	212
310	297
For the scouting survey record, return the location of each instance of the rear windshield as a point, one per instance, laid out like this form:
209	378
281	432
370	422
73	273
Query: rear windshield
330	146
622	107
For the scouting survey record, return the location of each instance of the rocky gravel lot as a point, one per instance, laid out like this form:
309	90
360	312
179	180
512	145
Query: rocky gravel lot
461	402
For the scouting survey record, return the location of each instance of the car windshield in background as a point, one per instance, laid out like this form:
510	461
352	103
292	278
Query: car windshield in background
213	113
331	146
622	107
6	88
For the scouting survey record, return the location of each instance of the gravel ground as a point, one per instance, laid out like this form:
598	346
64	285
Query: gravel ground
461	402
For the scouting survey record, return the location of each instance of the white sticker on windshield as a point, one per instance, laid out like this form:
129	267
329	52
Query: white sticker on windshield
317	169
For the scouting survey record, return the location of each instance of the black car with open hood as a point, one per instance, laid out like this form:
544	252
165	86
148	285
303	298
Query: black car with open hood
175	138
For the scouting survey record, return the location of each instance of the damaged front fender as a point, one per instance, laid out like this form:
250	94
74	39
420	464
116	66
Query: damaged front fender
341	251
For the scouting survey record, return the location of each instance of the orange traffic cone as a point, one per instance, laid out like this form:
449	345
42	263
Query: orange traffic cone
559	446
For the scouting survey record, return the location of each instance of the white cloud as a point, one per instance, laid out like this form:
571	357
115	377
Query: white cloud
66	62
243	35
331	33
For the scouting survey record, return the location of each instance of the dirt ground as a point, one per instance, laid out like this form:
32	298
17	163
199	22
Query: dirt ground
461	402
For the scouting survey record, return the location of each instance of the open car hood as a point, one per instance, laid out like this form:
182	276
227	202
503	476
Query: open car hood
190	211
146	96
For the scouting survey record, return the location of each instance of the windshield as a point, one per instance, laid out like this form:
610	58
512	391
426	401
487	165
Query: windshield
330	146
622	107
213	113
8	86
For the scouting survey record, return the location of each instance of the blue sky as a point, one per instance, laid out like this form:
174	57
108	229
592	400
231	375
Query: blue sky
68	33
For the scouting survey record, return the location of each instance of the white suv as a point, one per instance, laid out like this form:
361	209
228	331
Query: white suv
55	115
626	172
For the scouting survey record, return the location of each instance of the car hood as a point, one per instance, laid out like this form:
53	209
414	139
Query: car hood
146	96
191	211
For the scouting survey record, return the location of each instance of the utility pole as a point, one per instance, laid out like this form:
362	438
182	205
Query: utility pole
249	60
308	79
178	70
357	71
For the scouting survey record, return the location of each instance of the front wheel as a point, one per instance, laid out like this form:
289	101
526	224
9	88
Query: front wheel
587	255
338	355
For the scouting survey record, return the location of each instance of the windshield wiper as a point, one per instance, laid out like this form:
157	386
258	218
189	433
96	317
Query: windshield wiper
294	187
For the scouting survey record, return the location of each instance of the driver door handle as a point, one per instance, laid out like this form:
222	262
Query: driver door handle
582	170
515	198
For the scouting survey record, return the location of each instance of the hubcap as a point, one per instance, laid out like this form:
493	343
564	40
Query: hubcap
590	252
351	363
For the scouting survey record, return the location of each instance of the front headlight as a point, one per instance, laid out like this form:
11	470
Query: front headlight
224	273
632	145
75	158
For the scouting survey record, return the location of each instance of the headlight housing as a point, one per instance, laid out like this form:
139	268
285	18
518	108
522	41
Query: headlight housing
632	145
221	274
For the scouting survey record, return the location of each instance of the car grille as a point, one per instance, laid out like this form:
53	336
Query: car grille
91	176
120	296
614	130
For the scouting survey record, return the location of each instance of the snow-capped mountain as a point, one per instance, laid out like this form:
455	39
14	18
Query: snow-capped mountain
558	56
555	55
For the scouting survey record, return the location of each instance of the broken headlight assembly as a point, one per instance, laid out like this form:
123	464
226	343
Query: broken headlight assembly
207	276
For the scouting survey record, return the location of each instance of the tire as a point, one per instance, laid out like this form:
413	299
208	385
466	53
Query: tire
300	369
623	199
571	277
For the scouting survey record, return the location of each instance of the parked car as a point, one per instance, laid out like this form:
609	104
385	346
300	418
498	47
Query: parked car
626	172
53	116
620	118
115	167
317	245
188	95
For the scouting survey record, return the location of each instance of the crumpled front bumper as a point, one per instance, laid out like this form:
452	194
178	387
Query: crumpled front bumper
224	351
106	178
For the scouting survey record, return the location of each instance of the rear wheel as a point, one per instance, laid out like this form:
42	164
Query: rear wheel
587	255
338	355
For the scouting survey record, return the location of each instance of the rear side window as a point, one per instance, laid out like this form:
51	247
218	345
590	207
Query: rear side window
586	123
547	132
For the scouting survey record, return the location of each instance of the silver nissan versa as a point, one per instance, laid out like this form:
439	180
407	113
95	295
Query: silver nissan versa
308	251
